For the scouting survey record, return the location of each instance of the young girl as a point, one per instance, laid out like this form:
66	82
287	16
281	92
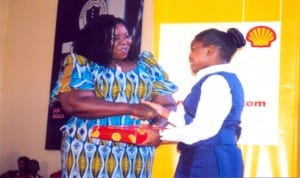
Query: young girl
209	129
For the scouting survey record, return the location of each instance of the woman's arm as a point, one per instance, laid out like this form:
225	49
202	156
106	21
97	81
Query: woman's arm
85	104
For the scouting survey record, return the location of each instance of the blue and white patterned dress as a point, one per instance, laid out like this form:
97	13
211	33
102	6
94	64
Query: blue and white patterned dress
83	156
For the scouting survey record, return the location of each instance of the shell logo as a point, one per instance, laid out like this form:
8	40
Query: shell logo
261	36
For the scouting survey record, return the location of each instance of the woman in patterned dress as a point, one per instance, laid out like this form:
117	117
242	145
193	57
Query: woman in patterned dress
103	83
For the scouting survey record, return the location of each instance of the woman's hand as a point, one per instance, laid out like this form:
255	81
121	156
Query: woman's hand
153	137
142	111
162	111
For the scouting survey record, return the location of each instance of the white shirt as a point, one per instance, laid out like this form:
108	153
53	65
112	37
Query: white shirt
214	105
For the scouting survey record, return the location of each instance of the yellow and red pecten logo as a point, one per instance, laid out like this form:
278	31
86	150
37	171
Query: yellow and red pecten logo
261	36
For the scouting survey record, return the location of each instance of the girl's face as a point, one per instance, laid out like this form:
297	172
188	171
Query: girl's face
121	42
198	56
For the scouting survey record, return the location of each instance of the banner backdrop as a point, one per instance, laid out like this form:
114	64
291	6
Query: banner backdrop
257	65
73	15
270	75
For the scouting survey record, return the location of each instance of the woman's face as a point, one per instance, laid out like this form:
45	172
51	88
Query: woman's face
198	57
121	42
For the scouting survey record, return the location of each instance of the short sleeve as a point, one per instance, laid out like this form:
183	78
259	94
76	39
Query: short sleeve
76	73
161	83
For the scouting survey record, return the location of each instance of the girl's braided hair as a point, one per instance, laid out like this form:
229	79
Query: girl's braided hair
228	42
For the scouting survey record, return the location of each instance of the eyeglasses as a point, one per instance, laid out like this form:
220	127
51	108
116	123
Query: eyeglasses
120	38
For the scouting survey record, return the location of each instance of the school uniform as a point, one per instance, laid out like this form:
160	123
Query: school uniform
210	129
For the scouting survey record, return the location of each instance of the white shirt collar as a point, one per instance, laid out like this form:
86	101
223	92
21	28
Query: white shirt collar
213	69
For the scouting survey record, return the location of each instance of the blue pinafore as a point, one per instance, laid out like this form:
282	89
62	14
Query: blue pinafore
217	156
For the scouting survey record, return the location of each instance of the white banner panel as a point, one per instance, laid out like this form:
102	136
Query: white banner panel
257	66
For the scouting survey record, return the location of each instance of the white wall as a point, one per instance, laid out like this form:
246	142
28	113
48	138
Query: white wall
25	73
